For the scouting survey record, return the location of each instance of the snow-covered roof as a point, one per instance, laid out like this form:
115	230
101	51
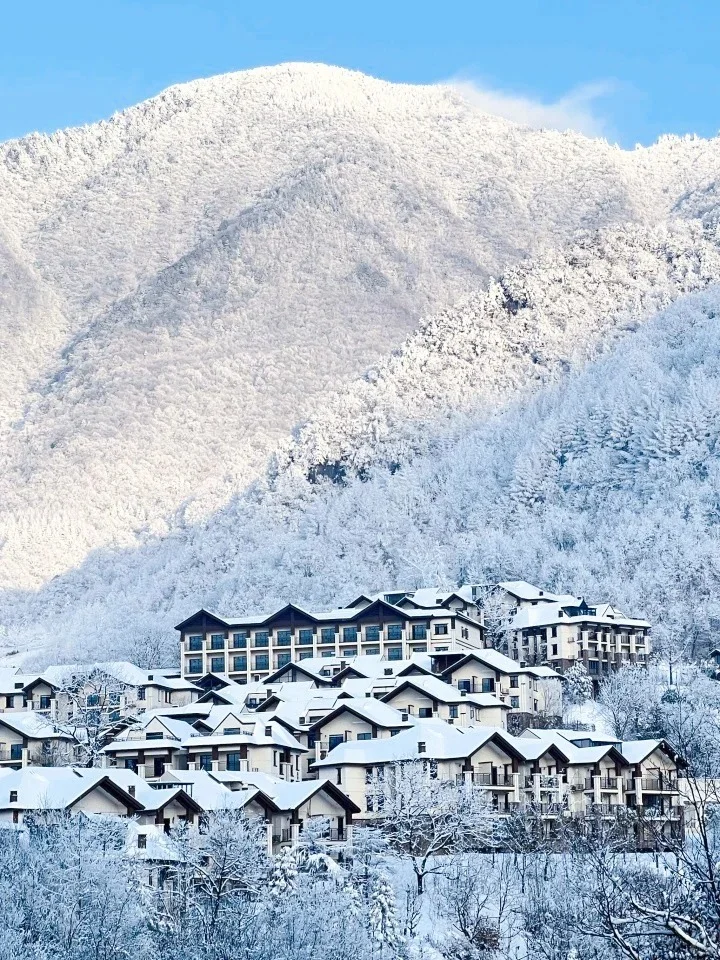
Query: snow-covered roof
368	708
441	742
438	689
253	731
635	751
52	788
207	791
561	612
31	725
528	591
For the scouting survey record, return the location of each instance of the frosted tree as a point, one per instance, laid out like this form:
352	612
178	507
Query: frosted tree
577	684
626	698
424	817
382	915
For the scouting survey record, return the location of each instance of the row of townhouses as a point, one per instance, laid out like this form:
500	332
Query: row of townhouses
534	627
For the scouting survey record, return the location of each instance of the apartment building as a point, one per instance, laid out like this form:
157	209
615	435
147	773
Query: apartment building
550	774
539	627
253	648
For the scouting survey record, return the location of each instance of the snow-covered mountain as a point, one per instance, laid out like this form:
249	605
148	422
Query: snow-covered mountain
196	275
191	281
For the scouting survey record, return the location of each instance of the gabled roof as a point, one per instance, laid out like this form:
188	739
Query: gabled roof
310	667
289	795
369	709
635	751
32	725
439	739
443	692
58	788
212	794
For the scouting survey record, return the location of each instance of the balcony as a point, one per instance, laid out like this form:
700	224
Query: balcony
659	785
494	779
608	783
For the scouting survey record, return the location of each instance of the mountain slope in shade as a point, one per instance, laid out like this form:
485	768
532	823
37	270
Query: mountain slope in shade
210	265
316	534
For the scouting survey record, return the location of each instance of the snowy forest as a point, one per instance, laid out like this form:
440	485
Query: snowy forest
611	475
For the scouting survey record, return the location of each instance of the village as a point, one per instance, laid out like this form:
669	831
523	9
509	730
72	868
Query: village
297	716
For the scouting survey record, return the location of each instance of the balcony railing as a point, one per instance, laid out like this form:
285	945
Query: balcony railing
659	784
608	783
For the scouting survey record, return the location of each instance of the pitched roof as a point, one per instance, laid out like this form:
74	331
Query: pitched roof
366	708
57	788
439	690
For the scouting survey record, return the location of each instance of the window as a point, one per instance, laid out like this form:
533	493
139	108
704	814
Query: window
195	643
514	680
488	685
364	736
554	649
327	635
465	685
328	653
233	761
419	631
305	636
93	699
441	629
217	664
16	751
394	653
154	736
554	631
240	663
231	731
350	634
425	713
372	633
283	659
394	631
13	796
283	638
592	666
335	739
131	764
217	641
239	641
262	662
261	638
421	746
45	701
305	655
142	841
348	652
372	651
205	761
420	648
515	703
453	712
268	731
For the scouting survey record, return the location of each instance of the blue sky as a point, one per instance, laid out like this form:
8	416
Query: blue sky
631	70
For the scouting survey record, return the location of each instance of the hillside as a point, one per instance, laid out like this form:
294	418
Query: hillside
596	475
198	274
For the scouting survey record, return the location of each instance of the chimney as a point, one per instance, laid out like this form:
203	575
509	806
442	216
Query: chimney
404	717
